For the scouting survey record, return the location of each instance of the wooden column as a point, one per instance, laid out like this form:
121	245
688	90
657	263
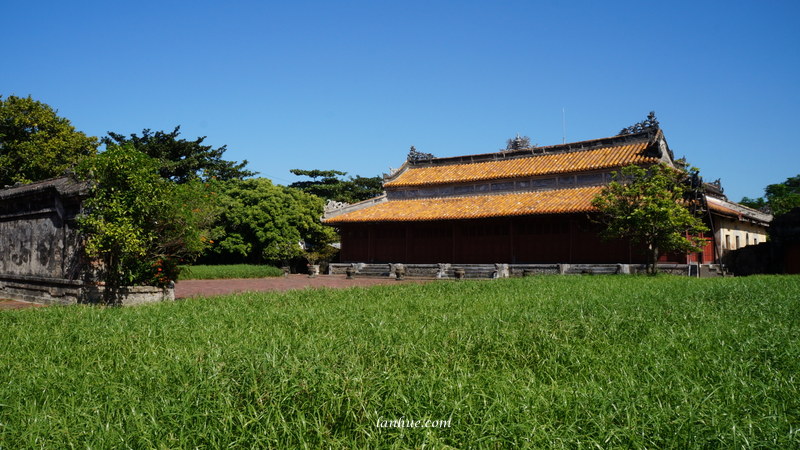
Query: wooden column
370	244
455	242
512	250
408	234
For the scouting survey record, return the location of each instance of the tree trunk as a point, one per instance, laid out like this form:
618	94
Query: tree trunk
653	261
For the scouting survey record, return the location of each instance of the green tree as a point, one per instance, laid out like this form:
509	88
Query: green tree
181	160
648	206
778	198
329	185
139	225
35	143
262	222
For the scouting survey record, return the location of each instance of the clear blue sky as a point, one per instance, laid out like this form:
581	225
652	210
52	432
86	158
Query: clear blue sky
350	85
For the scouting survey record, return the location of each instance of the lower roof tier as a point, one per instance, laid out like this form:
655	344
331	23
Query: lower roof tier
529	166
557	201
475	207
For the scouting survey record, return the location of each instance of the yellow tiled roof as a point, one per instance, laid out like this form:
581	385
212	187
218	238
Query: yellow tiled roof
577	161
475	207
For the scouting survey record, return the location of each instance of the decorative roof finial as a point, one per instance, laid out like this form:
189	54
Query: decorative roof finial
414	155
648	124
519	143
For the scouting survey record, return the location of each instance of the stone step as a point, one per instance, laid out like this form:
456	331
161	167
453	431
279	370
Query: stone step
484	271
373	272
427	270
713	271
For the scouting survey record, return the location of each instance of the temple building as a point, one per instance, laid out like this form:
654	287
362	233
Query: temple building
521	206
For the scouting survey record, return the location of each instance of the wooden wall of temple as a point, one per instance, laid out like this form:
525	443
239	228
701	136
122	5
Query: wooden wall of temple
571	239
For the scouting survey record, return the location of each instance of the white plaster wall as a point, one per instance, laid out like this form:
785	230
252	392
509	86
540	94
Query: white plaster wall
749	234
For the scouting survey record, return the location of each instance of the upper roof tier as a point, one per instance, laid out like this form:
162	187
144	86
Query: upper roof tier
607	153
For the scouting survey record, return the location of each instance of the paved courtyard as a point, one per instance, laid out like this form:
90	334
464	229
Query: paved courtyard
14	304
198	288
194	288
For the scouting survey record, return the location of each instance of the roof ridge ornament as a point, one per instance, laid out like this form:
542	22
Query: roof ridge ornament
518	143
415	156
650	124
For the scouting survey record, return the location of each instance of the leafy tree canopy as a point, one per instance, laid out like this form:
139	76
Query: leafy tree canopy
35	143
138	224
779	198
262	222
647	206
330	185
181	160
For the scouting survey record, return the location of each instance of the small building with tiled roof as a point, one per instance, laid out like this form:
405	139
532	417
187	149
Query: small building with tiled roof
42	256
41	252
530	205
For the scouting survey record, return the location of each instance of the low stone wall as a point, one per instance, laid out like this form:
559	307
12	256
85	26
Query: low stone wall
671	269
56	291
48	291
521	270
129	295
446	270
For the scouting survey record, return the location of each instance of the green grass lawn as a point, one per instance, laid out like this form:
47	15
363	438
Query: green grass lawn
201	272
557	361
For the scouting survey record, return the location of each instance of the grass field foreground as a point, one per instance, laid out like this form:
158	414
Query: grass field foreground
617	361
211	272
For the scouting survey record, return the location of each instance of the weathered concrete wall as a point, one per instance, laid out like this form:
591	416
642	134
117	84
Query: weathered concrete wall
781	254
752	260
36	245
40	252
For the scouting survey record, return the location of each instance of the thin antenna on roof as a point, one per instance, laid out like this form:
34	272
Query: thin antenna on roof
564	125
